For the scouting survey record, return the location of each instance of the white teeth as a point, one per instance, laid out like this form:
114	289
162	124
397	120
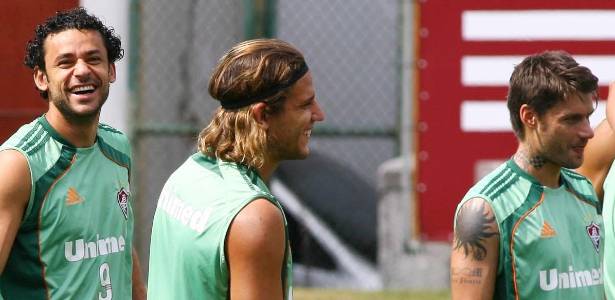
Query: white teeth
85	88
308	133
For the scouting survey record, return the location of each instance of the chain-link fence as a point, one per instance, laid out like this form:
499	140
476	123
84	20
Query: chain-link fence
353	51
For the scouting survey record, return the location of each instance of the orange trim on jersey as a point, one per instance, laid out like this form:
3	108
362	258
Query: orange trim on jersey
512	242
40	215
117	163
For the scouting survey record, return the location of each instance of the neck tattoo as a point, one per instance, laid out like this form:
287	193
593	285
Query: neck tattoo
537	161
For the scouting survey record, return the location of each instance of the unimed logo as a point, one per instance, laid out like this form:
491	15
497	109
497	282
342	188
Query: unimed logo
554	279
80	249
195	219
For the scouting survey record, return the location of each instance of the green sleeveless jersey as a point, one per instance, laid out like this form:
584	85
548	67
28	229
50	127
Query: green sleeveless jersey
194	212
608	214
75	239
550	239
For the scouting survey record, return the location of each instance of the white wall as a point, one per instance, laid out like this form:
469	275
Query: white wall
115	13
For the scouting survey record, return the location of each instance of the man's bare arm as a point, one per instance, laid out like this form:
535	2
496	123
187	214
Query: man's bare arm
475	253
14	195
598	156
255	248
600	150
610	105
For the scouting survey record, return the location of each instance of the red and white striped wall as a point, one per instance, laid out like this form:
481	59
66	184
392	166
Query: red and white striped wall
467	52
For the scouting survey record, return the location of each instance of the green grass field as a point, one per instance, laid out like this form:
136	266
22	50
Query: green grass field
327	294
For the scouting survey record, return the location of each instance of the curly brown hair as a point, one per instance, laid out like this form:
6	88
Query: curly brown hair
76	18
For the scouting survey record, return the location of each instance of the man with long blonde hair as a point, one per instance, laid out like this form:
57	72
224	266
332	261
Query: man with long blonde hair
218	232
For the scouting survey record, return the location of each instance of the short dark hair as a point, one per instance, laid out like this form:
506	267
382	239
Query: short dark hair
76	18
543	80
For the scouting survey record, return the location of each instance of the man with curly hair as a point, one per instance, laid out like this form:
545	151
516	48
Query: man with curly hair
66	218
218	232
531	229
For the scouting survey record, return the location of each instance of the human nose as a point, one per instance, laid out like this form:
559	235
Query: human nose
81	70
586	130
317	113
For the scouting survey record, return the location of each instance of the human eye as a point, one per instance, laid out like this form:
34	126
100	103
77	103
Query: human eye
307	104
64	63
574	119
94	60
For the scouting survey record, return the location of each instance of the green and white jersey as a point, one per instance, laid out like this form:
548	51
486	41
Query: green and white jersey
194	212
550	239
608	214
75	239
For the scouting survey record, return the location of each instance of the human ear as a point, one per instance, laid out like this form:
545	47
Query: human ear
528	116
111	72
259	112
40	79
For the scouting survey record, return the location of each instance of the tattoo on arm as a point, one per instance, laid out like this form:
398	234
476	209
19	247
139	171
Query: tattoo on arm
472	229
467	275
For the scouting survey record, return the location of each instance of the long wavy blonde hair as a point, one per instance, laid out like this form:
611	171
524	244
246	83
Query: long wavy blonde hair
250	68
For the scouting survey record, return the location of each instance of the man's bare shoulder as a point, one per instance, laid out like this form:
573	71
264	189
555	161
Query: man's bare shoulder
258	224
15	174
474	226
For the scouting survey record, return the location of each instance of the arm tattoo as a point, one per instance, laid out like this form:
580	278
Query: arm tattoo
472	229
467	275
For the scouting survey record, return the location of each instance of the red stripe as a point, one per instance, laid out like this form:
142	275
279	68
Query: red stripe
440	143
484	93
532	4
525	48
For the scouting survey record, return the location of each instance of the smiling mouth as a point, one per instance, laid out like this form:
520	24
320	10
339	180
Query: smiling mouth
83	90
308	133
579	149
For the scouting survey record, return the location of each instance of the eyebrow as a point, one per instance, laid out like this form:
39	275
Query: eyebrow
70	54
63	56
577	114
93	52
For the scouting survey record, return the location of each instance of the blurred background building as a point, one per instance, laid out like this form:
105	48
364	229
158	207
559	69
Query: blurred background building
414	93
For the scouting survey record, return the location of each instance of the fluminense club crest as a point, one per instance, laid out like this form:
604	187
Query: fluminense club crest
122	201
593	230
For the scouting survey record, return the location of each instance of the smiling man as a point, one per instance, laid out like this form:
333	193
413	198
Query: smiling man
218	233
531	229
66	219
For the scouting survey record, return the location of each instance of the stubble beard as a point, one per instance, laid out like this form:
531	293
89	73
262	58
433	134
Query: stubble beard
540	160
561	157
572	164
61	102
281	151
